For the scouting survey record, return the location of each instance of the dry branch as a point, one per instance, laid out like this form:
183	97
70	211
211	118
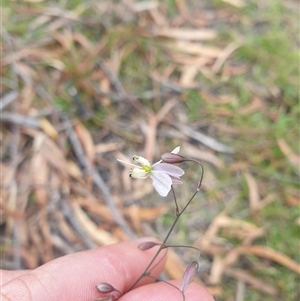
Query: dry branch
96	179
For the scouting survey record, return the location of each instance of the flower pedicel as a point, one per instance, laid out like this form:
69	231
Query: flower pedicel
163	174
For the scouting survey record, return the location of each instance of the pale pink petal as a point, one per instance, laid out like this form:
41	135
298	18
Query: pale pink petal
170	169
161	182
158	162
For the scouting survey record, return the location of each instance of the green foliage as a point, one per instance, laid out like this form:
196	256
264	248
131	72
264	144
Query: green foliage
270	50
61	103
193	104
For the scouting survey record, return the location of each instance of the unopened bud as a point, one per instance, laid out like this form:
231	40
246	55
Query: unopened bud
172	158
147	245
108	298
105	287
189	275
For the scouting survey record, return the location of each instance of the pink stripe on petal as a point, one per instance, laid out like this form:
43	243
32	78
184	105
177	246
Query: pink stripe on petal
161	182
175	180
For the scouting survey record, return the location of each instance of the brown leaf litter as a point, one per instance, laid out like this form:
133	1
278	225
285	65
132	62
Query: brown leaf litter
62	190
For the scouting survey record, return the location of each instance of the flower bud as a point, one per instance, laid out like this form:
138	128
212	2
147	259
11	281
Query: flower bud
147	245
108	298
105	287
172	158
189	275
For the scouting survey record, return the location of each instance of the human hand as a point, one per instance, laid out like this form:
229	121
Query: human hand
74	277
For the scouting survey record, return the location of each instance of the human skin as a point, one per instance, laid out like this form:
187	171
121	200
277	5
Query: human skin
74	277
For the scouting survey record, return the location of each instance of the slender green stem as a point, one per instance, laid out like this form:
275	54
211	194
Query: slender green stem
177	246
175	201
162	246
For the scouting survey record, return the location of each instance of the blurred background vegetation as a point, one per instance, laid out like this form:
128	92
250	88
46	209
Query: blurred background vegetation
86	82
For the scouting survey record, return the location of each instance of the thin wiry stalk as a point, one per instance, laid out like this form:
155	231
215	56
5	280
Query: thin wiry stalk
161	280
175	201
185	246
163	245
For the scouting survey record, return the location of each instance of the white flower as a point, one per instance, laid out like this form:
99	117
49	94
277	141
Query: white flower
163	175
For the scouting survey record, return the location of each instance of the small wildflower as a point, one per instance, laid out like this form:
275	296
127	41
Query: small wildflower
163	175
189	275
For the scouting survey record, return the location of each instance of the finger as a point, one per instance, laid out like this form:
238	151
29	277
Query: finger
161	291
7	276
73	277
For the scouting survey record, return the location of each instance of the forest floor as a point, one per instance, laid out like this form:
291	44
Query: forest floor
84	83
